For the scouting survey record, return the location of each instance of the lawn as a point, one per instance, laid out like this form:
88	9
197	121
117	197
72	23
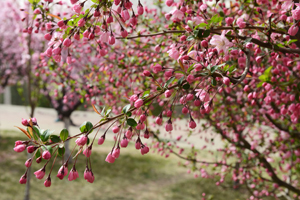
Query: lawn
132	176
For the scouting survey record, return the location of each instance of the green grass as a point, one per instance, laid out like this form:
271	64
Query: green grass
132	176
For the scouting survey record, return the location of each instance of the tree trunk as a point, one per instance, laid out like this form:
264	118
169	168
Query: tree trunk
7	95
67	143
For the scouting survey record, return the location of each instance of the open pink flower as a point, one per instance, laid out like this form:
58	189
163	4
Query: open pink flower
173	53
177	15
221	42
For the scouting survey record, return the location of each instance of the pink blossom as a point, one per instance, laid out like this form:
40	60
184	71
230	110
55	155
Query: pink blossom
88	151
168	93
46	155
48	36
101	140
28	162
221	42
296	13
287	4
158	120
226	80
73	175
81	22
190	78
124	143
169	127
77	8
192	124
169	2
293	30
177	15
138	103
138	144
116	153
144	150
47	182
173	53
81	140
157	48
73	1
111	40
20	148
110	158
104	37
140	9
62	172
116	129
240	22
229	21
124	33
40	173
88	175
23	179
157	68
125	15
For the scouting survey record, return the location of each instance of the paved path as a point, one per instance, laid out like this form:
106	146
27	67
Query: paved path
11	115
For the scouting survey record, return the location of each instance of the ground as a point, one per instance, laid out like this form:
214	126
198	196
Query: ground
132	176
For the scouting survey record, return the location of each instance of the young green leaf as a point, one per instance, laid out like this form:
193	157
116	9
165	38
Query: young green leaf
126	108
131	122
61	151
64	134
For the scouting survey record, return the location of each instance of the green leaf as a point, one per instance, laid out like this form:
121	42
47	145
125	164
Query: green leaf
214	68
55	138
49	148
214	82
179	72
64	134
61	151
201	25
103	111
36	133
86	126
190	68
259	84
45	135
131	122
263	78
107	112
247	40
38	153
129	114
291	41
232	68
126	108
180	80
216	19
266	76
190	38
298	86
169	82
146	94
186	86
206	33
190	24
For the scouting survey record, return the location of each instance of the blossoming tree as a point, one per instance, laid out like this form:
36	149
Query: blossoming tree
234	65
